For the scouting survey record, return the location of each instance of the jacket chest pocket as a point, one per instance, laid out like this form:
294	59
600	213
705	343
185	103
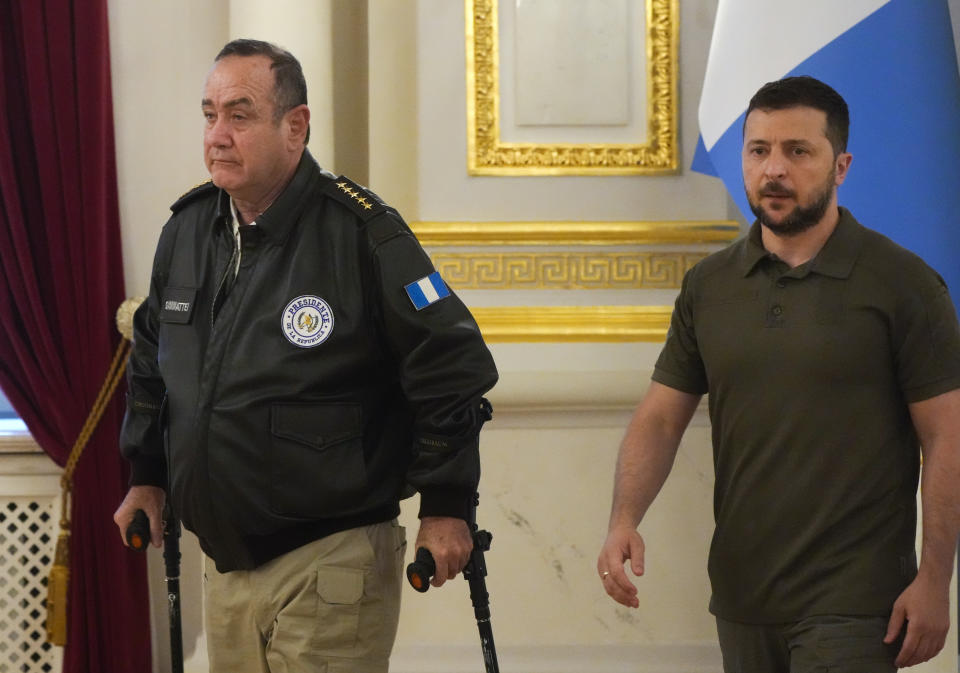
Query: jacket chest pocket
316	459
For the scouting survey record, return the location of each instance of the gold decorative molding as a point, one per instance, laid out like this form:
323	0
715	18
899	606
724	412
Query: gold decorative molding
488	155
439	234
565	271
524	324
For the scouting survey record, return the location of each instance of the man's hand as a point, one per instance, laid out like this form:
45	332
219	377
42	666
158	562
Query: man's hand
450	543
148	498
622	544
925	607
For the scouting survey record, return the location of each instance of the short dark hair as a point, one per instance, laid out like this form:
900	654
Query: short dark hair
289	88
807	92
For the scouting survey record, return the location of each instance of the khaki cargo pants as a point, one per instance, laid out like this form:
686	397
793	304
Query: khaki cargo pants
330	606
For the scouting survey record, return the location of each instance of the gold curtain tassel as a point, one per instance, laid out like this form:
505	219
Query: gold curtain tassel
58	583
57	586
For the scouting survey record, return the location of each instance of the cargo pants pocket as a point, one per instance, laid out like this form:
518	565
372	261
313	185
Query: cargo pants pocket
340	591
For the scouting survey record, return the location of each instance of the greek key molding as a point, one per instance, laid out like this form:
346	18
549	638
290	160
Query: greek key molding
565	271
516	324
488	155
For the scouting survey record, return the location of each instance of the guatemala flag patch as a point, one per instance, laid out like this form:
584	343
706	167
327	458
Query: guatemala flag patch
428	290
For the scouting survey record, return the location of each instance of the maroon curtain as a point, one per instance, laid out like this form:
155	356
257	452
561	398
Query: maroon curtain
62	282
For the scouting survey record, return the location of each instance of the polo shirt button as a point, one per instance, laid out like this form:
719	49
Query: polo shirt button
780	283
777	310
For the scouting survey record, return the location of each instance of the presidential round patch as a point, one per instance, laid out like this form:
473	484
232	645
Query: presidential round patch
307	321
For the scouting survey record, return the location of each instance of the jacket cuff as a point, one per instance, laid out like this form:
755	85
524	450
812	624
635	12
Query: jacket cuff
148	471
452	502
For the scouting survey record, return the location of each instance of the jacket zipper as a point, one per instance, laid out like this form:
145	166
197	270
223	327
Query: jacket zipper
223	279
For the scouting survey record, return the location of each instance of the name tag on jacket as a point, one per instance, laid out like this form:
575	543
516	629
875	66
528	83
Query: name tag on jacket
176	305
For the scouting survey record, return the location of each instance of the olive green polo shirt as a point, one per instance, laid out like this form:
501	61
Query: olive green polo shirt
809	373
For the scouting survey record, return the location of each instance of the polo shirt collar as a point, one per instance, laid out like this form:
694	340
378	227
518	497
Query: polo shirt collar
753	250
840	252
835	259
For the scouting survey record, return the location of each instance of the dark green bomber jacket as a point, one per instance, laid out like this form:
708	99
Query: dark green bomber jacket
307	394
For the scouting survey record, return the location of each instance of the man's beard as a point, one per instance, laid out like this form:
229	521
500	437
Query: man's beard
800	218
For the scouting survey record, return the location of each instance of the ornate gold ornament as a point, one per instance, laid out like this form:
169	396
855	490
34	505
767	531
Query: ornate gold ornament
478	269
516	270
488	155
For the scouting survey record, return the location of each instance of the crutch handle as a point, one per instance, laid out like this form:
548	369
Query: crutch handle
423	568
138	532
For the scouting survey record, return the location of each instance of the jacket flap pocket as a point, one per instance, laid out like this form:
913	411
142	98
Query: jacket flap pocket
316	425
340	586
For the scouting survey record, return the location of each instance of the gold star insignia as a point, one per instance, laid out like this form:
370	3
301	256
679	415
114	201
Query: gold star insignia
357	195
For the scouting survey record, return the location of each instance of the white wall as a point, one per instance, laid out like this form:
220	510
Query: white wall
160	55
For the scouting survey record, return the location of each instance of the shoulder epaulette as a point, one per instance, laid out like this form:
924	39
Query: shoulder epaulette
194	193
364	203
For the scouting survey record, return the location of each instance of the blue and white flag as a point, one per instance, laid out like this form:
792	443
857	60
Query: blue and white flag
895	64
428	290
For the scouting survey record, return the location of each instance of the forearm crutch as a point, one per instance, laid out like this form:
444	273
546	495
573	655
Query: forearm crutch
423	568
138	537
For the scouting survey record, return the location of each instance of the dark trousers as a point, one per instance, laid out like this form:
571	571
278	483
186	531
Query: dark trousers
824	644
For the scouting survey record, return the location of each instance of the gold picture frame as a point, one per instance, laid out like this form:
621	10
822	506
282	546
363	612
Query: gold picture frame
487	154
